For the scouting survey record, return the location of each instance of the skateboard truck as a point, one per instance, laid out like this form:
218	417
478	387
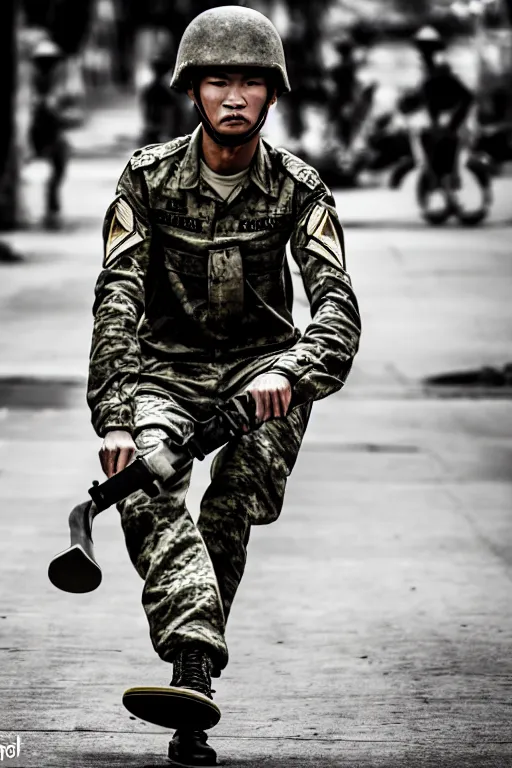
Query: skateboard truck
76	569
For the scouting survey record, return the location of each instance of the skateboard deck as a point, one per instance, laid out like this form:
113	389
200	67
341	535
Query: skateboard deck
172	707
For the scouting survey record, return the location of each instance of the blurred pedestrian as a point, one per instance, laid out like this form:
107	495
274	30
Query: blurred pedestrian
351	99
443	97
295	51
47	124
159	104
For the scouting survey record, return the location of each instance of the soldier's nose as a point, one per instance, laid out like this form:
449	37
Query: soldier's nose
234	99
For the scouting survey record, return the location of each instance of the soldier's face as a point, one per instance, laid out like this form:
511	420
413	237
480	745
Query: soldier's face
233	100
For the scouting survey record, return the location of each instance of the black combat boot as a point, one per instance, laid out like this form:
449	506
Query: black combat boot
190	749
186	704
192	668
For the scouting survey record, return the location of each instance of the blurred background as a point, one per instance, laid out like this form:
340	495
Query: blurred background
351	65
390	621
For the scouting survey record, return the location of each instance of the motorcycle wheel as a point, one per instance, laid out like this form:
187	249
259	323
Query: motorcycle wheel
478	172
424	192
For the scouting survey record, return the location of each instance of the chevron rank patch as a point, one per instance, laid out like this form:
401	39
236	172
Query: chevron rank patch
122	233
323	236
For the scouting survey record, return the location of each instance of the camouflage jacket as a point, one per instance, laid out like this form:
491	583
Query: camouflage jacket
187	275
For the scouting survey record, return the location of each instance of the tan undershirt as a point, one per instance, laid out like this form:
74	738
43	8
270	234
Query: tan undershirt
225	186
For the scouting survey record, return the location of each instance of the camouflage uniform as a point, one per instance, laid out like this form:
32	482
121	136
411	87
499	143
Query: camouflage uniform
193	302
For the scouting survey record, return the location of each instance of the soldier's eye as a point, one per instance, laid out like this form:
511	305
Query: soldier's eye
218	83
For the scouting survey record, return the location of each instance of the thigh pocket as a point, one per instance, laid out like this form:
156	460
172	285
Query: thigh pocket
252	473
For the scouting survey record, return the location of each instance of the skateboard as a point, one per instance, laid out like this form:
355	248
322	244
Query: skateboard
172	707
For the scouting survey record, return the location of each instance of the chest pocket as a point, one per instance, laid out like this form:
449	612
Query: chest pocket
225	285
186	264
263	240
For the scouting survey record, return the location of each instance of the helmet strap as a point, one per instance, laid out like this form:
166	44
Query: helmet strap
220	138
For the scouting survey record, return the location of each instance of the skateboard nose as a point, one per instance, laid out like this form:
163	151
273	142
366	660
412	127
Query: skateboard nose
172	707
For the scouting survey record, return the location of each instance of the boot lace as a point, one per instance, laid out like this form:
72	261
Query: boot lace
193	671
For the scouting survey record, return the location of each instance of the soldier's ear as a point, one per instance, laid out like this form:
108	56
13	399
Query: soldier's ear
272	93
190	94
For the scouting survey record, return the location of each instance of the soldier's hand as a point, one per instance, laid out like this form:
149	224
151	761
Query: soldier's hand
117	451
272	394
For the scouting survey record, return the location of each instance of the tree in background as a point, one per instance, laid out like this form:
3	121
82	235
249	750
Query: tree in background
8	83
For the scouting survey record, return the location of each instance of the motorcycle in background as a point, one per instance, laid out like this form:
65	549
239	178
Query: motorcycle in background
453	180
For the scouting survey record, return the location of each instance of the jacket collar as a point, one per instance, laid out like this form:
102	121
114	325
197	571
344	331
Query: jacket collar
189	166
261	172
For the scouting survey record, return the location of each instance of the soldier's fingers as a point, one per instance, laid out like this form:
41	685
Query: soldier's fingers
268	406
124	458
276	403
286	396
111	462
101	454
260	405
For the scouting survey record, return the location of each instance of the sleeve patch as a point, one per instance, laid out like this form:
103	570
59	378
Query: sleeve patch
122	233
323	237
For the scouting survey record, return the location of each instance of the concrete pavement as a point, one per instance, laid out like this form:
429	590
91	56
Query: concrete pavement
373	626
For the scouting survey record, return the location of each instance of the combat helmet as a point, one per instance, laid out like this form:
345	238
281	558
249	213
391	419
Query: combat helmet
230	36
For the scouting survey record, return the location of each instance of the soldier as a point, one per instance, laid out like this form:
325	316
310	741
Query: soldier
193	306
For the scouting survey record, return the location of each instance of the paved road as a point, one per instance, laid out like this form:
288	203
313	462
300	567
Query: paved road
373	627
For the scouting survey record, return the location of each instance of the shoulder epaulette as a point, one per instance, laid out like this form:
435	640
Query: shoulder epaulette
153	153
300	170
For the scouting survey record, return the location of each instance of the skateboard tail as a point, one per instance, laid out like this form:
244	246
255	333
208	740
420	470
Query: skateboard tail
75	569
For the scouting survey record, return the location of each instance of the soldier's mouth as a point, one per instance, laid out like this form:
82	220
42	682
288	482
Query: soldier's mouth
234	119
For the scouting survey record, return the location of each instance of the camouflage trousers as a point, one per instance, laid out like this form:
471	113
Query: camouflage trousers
192	572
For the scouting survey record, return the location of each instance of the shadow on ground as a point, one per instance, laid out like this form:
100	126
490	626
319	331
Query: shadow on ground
371	758
35	393
111	760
